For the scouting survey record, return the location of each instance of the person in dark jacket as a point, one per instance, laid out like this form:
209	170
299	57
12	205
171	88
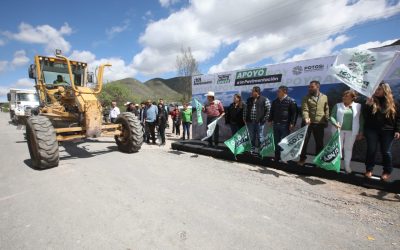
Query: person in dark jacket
283	117
234	114
162	122
256	115
381	126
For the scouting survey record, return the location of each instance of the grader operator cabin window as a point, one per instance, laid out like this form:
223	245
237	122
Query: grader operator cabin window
53	71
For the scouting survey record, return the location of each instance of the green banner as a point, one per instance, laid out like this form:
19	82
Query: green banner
329	158
199	108
240	142
268	144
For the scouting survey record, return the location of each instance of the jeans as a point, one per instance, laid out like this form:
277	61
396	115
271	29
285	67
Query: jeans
256	132
347	140
177	126
161	130
281	130
186	130
151	127
216	131
317	130
385	139
173	125
234	128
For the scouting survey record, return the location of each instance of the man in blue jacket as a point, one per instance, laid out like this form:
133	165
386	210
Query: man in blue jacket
151	120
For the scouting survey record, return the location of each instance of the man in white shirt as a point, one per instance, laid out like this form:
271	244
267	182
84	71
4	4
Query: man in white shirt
114	112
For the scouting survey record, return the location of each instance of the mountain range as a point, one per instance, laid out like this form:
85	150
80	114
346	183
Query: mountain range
171	90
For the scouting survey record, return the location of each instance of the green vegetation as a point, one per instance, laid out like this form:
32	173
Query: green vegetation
129	89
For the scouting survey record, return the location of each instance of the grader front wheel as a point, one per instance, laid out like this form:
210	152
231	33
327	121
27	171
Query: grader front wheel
42	142
131	138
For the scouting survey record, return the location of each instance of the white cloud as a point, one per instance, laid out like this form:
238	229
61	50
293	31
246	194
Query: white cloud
20	58
167	3
375	44
111	32
83	56
47	35
24	83
320	49
119	69
2	42
258	29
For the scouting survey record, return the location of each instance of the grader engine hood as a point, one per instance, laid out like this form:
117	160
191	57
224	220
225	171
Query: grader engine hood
91	107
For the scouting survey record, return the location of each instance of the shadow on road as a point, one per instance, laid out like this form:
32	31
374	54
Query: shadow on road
381	195
264	170
310	181
74	150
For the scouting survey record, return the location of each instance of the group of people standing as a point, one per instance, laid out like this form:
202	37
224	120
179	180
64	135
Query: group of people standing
377	120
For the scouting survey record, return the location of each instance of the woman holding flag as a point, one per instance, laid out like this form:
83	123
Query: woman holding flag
382	125
346	116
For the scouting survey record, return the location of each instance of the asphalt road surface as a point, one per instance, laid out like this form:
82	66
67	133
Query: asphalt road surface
99	198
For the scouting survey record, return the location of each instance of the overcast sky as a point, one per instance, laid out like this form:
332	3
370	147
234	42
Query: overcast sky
141	39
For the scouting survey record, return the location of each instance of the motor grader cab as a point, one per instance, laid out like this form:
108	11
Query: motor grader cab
69	109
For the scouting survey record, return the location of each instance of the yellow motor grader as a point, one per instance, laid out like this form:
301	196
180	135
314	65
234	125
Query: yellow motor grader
69	109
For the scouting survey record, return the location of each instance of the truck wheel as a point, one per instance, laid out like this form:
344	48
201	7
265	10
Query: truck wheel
42	142
131	138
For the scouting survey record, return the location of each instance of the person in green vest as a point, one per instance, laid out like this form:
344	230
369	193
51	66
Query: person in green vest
186	120
347	117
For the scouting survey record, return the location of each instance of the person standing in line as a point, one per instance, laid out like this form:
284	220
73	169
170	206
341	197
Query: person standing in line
255	116
173	115
282	118
214	109
150	121
234	114
178	121
142	117
162	122
382	125
186	120
114	112
347	117
315	112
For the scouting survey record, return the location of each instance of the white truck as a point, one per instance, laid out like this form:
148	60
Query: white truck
23	103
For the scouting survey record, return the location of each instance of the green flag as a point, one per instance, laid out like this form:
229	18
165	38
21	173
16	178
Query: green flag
329	158
240	142
199	108
268	144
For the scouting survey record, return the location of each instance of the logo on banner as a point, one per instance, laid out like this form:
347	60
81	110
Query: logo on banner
223	79
198	81
297	70
361	62
312	68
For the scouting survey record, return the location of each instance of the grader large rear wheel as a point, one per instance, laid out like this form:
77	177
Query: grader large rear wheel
42	142
131	138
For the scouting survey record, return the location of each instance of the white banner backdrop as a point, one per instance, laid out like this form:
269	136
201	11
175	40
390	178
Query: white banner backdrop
295	75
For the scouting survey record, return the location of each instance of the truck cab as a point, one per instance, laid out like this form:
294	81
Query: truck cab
22	103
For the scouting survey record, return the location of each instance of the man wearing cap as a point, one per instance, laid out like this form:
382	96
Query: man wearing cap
256	115
214	109
131	108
